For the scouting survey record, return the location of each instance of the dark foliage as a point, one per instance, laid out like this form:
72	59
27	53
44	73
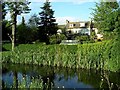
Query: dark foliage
47	25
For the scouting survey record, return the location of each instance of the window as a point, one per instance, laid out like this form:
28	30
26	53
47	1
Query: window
70	25
82	24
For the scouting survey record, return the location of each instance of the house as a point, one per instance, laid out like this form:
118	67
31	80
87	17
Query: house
82	27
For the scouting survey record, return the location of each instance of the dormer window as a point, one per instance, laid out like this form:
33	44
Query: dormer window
70	25
74	25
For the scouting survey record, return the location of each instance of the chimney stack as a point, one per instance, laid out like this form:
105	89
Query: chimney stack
67	21
47	0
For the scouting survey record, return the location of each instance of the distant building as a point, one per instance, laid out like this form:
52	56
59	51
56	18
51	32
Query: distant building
82	27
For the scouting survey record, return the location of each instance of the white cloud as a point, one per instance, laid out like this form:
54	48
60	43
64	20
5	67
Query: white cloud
19	17
8	17
62	20
73	1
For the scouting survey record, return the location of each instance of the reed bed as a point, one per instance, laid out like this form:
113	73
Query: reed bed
101	55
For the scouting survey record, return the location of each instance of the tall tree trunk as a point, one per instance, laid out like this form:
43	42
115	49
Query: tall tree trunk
14	32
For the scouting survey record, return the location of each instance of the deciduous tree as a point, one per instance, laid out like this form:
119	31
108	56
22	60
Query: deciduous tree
104	15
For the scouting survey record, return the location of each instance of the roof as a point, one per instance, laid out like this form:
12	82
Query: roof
79	24
61	26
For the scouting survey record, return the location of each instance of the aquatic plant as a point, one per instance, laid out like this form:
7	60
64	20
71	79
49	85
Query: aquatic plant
100	55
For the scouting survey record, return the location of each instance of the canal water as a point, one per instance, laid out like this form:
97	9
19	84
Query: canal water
47	78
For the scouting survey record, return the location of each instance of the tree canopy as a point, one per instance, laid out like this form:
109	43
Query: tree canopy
33	21
3	10
15	9
47	25
104	15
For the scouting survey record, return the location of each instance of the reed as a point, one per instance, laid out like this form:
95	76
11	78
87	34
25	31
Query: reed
99	55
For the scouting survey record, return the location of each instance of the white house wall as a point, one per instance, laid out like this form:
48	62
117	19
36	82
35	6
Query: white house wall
78	30
88	31
75	30
82	24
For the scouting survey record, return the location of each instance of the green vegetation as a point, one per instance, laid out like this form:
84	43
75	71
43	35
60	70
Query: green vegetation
6	47
101	55
47	23
23	30
57	38
23	83
15	9
44	77
106	17
84	39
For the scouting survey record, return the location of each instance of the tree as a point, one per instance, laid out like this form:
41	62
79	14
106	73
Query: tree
3	10
6	30
33	21
21	32
16	8
104	15
24	33
47	25
33	24
23	21
117	19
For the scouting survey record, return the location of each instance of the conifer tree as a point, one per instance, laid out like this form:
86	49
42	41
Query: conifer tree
33	21
47	25
3	10
16	8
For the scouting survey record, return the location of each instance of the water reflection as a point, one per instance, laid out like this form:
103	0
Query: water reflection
44	77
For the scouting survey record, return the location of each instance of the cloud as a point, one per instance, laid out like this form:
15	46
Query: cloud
62	20
19	17
8	17
73	1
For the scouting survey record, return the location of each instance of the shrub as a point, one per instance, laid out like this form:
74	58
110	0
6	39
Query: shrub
56	39
53	39
83	38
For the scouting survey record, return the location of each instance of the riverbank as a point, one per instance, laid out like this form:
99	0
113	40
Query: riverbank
27	76
100	55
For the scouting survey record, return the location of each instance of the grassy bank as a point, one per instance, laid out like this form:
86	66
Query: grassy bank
101	55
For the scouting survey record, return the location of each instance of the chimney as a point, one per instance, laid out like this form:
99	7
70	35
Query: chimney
67	21
47	0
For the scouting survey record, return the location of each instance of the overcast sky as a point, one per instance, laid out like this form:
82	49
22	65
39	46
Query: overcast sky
72	10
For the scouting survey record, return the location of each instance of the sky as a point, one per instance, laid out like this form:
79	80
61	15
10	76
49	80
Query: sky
72	10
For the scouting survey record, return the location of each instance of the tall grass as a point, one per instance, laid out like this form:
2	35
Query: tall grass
99	55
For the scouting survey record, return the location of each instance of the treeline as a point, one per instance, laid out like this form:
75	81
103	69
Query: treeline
25	32
39	27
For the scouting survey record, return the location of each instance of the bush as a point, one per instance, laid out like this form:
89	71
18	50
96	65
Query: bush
56	39
62	37
83	38
53	39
